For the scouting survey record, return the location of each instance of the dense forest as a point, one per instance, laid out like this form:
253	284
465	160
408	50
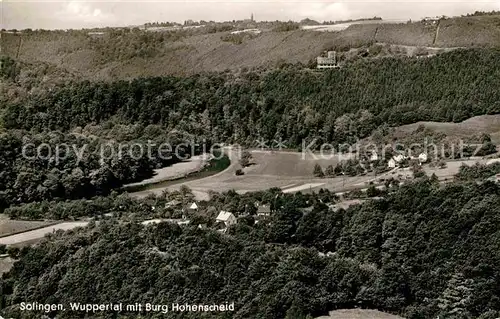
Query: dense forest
291	103
88	162
423	251
477	172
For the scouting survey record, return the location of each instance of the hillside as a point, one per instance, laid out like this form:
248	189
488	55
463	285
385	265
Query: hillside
422	251
489	124
128	53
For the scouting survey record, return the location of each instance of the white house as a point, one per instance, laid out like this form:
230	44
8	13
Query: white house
193	206
374	157
263	210
330	62
395	160
399	158
422	158
391	163
227	218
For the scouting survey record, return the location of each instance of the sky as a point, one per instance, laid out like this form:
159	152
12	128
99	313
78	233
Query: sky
76	14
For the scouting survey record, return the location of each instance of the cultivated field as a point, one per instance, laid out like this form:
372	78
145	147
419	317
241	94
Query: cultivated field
208	52
344	26
37	234
177	170
469	31
8	226
293	173
289	171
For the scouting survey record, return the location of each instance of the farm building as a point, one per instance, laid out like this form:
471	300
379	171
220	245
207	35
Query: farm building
173	203
422	158
263	210
391	163
396	160
330	62
399	158
227	218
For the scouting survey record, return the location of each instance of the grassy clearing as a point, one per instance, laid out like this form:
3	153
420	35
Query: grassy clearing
214	166
489	124
211	52
10	227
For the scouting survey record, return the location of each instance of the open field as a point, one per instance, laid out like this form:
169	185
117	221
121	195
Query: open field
8	226
358	314
287	170
293	173
489	124
287	164
37	234
452	168
344	26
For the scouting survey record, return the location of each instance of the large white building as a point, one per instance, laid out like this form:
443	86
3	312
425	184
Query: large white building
422	158
330	62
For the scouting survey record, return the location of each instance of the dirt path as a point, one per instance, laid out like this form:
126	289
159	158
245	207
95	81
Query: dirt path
436	36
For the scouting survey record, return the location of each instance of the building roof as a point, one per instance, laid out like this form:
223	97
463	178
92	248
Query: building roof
422	157
193	206
263	209
224	216
174	202
399	158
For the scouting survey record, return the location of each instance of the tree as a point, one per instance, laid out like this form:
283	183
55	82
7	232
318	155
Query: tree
330	171
417	171
487	149
246	156
318	171
456	297
338	169
372	191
